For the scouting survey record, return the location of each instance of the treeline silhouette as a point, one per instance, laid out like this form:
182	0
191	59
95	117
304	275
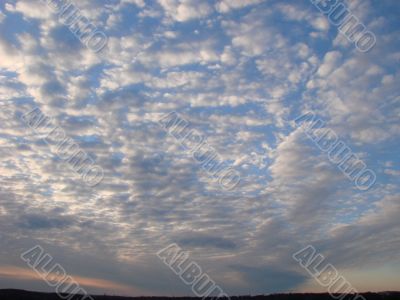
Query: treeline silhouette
10	294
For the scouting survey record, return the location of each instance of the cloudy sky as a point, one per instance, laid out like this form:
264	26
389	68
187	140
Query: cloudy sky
240	72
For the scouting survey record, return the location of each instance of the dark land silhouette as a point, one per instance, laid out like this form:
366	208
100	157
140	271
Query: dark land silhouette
12	294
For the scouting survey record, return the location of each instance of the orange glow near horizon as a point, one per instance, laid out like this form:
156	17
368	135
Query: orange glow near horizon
19	273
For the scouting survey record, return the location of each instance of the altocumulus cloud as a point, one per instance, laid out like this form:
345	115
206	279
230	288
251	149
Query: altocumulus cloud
240	72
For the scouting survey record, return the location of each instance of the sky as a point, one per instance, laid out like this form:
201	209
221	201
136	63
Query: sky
240	73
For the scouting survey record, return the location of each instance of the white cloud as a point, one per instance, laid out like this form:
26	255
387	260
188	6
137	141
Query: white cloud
185	10
225	6
2	16
30	9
